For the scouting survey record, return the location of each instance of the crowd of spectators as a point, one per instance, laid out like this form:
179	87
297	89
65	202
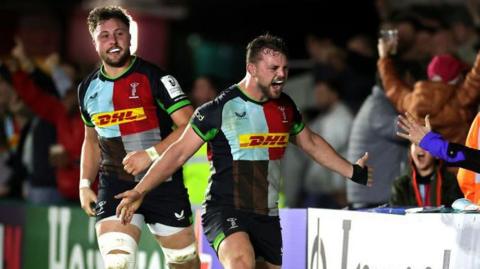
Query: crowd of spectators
351	95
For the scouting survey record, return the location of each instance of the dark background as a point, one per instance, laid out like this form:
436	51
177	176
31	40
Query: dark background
49	26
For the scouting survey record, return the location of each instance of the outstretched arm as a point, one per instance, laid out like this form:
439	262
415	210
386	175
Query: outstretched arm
136	162
435	144
46	106
319	150
397	91
173	157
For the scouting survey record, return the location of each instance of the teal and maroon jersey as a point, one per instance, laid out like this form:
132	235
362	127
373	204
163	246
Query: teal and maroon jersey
247	140
130	112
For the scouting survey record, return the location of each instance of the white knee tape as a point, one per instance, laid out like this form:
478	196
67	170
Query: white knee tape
180	256
114	241
119	261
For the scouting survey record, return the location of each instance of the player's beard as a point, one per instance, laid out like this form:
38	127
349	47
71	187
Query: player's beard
269	92
120	62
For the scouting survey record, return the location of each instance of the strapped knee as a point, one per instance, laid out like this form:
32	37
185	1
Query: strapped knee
118	250
180	256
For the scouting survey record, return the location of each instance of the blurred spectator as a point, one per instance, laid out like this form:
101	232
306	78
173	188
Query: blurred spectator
464	32
205	88
383	8
300	86
4	136
411	57
466	157
374	131
64	75
450	100
425	183
349	65
306	183
15	119
443	42
361	55
40	148
64	115
196	170
354	66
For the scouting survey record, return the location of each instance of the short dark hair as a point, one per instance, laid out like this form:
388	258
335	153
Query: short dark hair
99	14
266	41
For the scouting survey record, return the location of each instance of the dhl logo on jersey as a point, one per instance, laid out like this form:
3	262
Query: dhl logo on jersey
119	117
270	140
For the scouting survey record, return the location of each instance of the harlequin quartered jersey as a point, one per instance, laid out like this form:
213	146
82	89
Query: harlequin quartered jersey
247	140
130	112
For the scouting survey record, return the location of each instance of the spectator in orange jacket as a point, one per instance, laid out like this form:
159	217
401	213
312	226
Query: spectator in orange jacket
450	100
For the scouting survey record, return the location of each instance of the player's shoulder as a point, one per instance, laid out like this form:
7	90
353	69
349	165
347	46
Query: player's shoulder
155	72
286	99
83	86
227	95
285	96
149	68
218	103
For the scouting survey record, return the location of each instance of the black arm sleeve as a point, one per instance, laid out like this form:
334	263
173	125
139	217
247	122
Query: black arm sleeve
471	160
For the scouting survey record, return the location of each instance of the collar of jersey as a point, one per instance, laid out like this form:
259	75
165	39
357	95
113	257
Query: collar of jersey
248	97
134	60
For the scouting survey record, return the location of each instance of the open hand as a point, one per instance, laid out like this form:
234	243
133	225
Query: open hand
131	201
414	131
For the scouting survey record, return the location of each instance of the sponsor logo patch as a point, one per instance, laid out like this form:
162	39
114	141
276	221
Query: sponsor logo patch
233	223
119	117
241	115
133	93
270	140
179	216
284	115
173	88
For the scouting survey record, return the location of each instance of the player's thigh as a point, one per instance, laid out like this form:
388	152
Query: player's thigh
236	246
184	237
112	235
227	233
266	237
169	219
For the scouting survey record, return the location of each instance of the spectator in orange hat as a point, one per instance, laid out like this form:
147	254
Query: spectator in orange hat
450	99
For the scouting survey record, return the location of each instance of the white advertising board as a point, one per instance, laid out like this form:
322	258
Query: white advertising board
340	239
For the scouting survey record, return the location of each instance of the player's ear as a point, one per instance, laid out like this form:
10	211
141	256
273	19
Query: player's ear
251	69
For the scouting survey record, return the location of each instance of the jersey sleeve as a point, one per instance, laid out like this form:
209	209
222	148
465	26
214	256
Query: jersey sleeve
206	121
83	112
169	94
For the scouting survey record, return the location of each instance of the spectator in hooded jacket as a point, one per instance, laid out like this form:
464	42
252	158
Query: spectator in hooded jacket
425	183
449	99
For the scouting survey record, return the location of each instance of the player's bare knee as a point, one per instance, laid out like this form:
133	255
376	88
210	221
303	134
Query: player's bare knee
118	250
241	262
180	256
238	259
